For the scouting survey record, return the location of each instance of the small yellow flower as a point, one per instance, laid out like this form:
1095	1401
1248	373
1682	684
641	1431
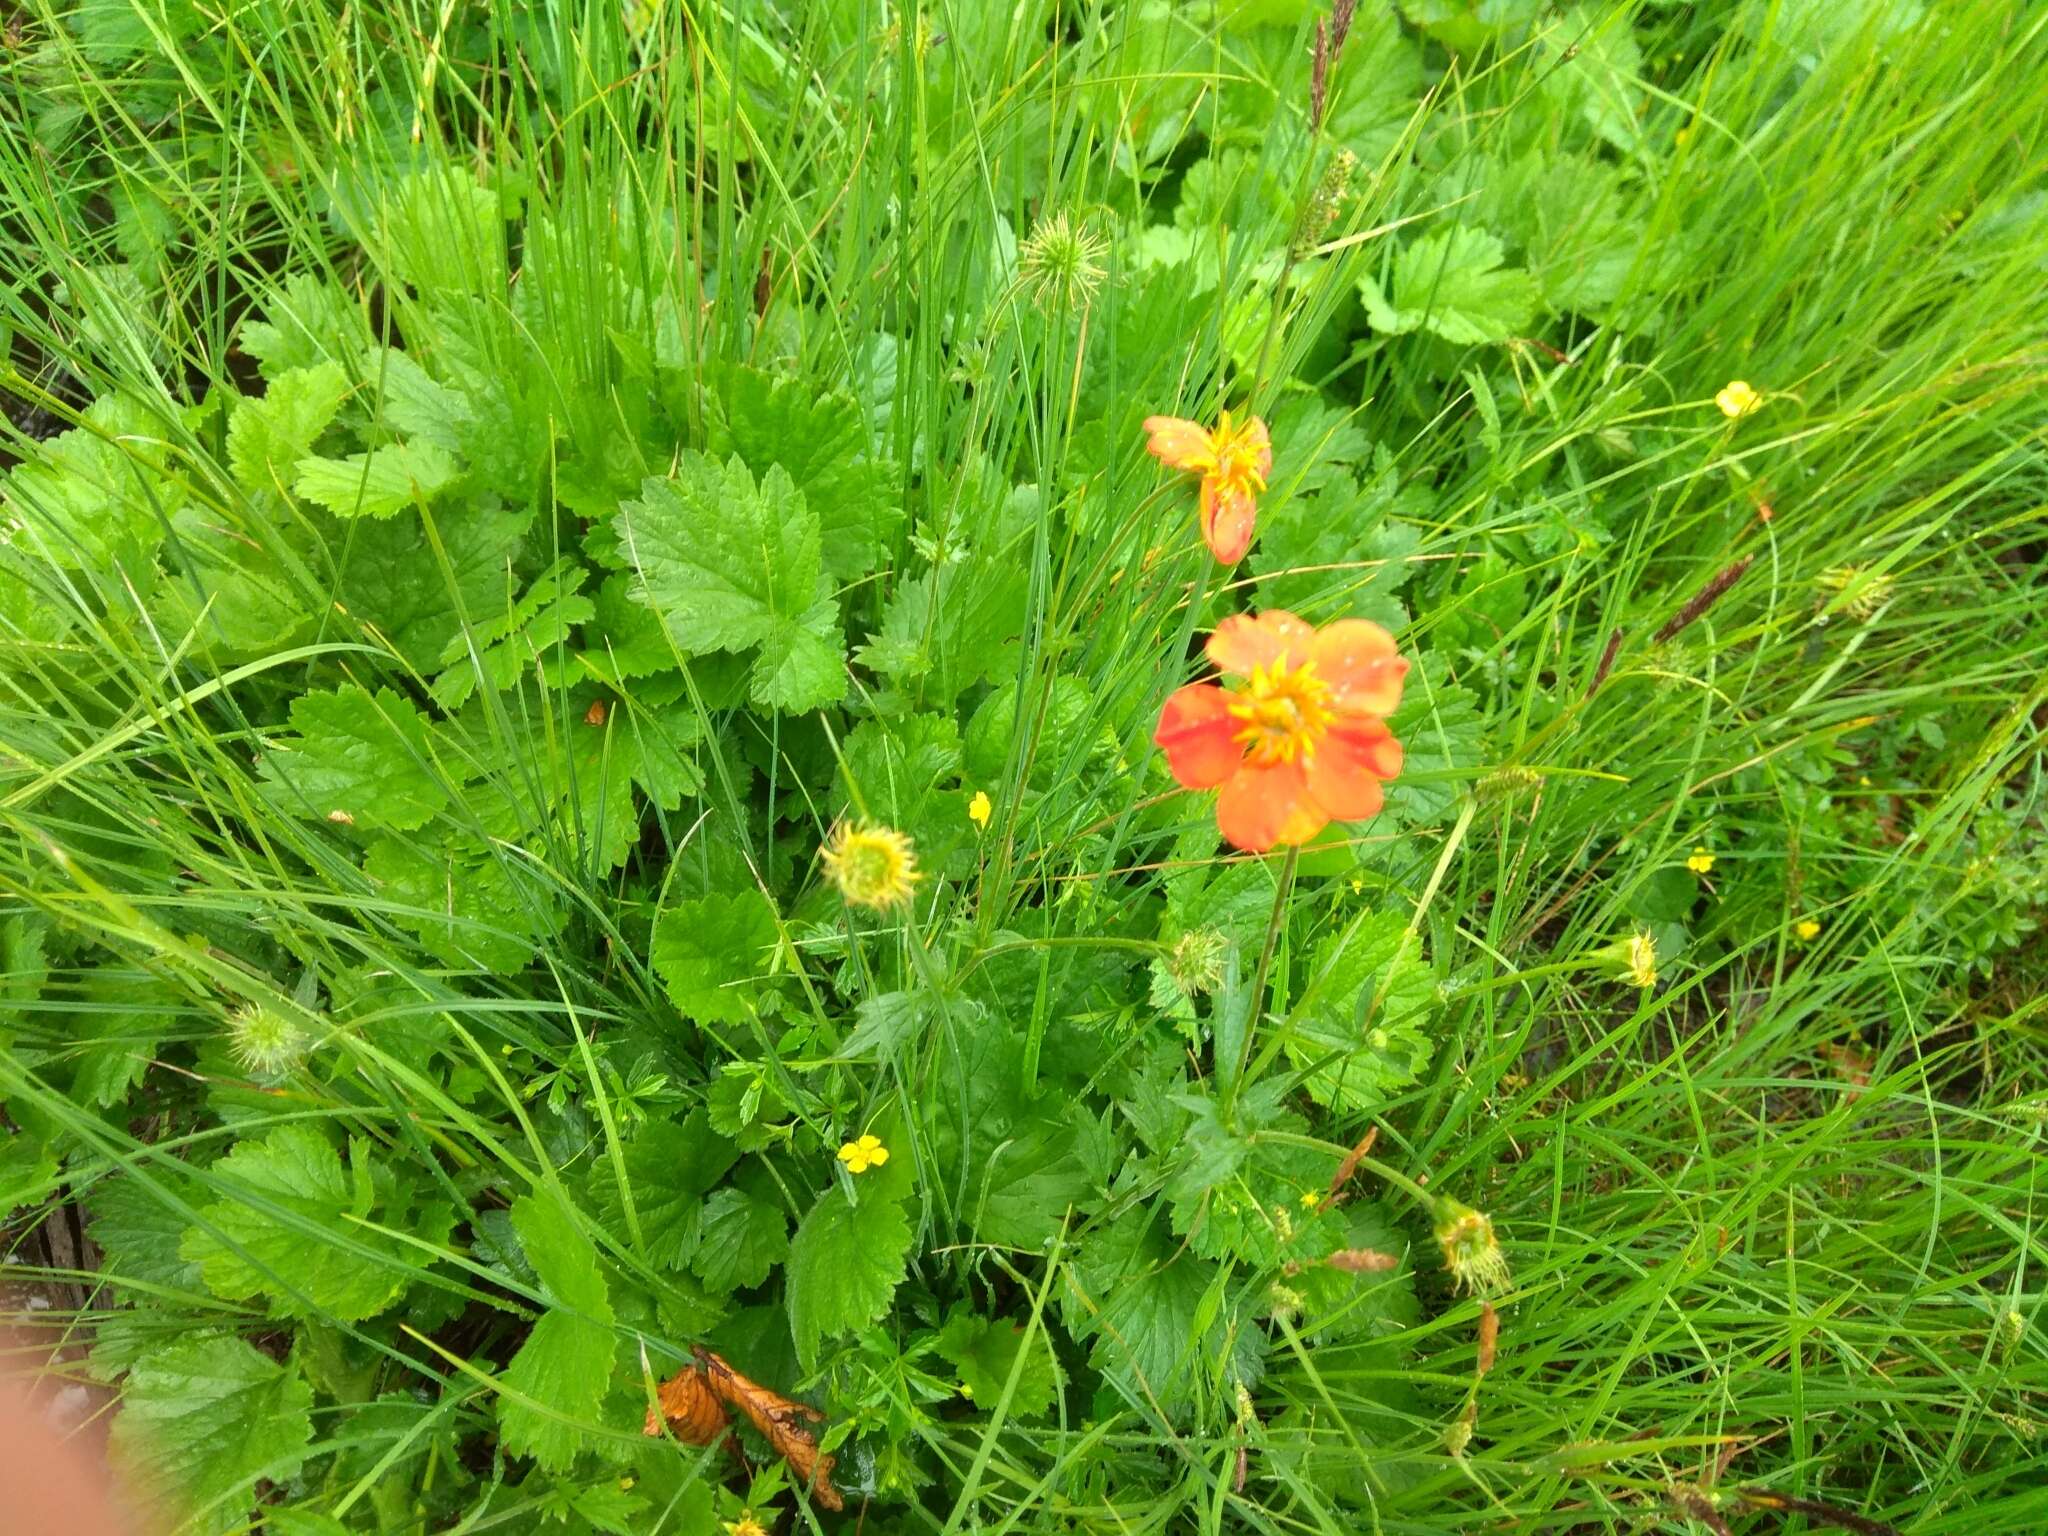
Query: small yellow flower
746	1525
872	866
1701	861
1311	1198
1737	399
966	1390
859	1156
1807	929
979	808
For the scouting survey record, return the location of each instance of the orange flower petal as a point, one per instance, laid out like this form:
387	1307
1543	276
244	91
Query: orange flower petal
1199	736
1344	776
1227	518
1356	658
1262	805
1179	443
1246	640
1303	822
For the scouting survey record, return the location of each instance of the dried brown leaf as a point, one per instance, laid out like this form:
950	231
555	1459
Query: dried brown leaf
691	1408
783	1422
1351	1161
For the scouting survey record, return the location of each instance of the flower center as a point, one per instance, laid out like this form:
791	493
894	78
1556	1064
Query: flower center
1237	456
1285	712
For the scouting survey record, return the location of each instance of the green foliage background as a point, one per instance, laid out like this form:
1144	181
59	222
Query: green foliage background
490	486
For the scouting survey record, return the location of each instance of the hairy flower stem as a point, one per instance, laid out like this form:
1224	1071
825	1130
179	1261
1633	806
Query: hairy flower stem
1399	1180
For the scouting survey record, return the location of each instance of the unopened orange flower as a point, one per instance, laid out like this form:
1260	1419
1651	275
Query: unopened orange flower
1233	462
1304	742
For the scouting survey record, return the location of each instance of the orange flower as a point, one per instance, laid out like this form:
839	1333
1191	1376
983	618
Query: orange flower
1233	462
1304	742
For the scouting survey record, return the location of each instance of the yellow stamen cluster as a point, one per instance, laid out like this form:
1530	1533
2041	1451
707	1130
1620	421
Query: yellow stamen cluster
872	866
1286	712
1237	457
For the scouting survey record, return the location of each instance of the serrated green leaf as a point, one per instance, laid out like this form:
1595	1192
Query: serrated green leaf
268	437
529	636
729	565
821	441
669	1168
463	902
1453	284
1469	25
439	228
1031	1179
565	1365
285	1192
945	630
1152	1311
1343	551
235	586
360	754
985	1350
131	1013
844	1267
140	1234
1442	736
1360	1031
551	763
417	404
202	1419
1591	64
378	483
713	952
1341	1303
745	1234
306	322
624	639
96	496
394	579
905	773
